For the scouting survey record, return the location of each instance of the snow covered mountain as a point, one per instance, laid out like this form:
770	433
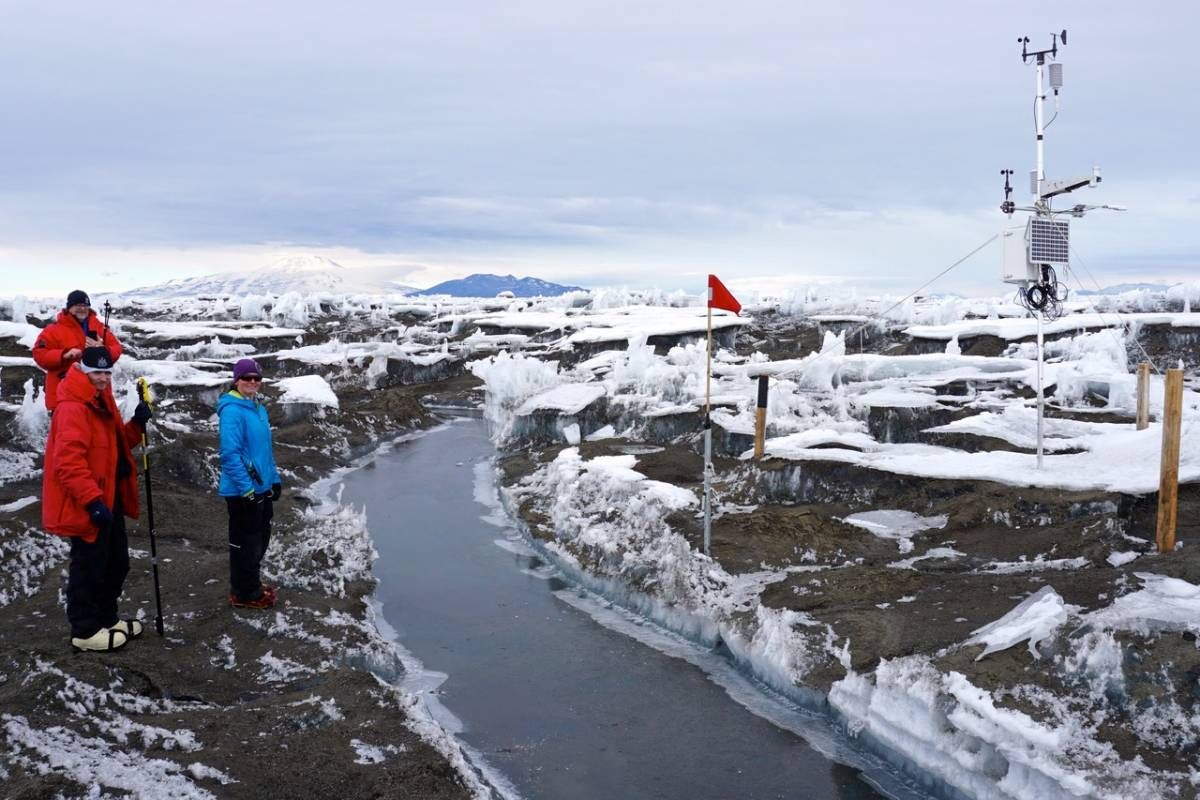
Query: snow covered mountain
307	274
485	285
1121	288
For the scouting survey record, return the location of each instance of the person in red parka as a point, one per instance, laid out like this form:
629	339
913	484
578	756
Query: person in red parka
89	486
61	343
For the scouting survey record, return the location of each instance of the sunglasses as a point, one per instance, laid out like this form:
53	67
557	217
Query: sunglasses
251	378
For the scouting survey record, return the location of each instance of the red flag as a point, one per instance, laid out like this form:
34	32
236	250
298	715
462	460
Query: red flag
720	297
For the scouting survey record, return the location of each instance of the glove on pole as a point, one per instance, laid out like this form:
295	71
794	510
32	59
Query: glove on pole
144	396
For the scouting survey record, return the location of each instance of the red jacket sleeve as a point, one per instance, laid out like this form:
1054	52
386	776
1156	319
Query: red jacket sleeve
70	454
133	434
48	351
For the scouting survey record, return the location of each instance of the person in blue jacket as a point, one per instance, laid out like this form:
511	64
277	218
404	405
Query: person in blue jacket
250	485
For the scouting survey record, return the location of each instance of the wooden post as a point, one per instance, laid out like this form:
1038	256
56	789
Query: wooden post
1143	396
1168	486
760	418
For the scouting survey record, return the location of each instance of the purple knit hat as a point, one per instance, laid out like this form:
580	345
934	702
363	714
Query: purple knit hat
247	366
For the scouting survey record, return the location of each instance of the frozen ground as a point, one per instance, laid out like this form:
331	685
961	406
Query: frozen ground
897	561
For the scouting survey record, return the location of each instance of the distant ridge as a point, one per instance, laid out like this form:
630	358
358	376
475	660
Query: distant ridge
1121	288
307	274
485	285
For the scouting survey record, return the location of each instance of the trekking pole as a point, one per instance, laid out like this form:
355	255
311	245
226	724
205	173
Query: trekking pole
144	396
107	311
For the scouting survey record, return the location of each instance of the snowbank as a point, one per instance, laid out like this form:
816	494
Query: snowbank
310	389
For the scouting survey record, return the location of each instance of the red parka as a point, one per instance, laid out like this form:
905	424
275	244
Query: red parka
86	434
64	334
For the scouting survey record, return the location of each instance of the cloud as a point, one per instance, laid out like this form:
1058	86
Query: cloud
631	140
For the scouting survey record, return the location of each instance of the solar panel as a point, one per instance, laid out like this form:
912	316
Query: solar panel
1048	241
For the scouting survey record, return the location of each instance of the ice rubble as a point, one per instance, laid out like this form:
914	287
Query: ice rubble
1163	603
1125	462
182	331
612	535
1022	328
615	519
896	524
1035	618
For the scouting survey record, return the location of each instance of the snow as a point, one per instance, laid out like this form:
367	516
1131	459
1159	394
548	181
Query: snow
32	419
28	556
1122	461
613	325
931	554
333	551
896	524
312	389
1034	619
93	761
511	379
337	353
179	331
607	432
1017	425
17	505
1038	564
25	334
567	399
1118	559
171	373
276	669
571	433
1010	329
370	754
17	466
1163	603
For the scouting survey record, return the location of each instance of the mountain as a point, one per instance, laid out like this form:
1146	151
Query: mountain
483	285
307	274
1121	288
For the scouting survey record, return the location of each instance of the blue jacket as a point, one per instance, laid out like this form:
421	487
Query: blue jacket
246	460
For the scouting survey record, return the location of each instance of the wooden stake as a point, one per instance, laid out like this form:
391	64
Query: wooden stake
1168	486
1143	396
760	418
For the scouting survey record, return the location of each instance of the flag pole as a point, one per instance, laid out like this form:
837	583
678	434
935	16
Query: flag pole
708	433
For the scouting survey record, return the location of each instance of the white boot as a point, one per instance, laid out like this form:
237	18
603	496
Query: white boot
130	627
102	640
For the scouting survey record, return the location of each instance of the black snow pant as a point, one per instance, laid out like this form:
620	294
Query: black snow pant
249	535
96	576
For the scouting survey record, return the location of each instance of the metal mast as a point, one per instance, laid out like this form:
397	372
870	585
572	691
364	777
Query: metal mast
1031	263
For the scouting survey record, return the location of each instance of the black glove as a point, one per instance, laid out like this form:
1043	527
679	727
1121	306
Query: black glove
100	515
142	414
276	491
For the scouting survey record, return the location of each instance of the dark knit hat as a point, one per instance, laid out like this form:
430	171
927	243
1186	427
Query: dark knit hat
247	366
96	359
78	297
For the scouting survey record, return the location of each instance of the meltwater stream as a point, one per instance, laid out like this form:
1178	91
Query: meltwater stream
549	690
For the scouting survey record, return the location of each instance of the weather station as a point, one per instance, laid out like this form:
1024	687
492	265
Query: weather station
1035	253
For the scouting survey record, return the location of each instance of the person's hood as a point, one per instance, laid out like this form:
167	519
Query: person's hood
231	400
66	316
76	387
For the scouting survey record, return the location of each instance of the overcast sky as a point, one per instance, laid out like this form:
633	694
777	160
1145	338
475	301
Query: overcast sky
600	143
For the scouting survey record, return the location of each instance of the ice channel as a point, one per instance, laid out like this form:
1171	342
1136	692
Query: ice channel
552	687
